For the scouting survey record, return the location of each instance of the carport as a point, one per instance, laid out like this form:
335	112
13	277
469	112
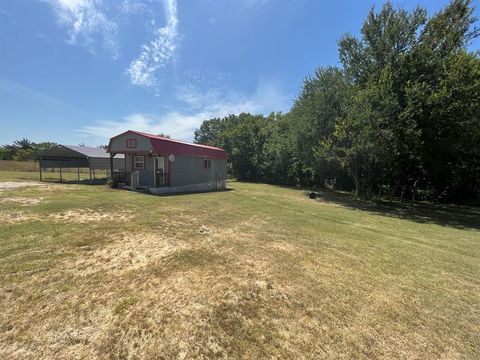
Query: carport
77	157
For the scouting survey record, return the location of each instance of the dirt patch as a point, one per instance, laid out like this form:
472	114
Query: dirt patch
8	185
131	252
16	217
23	200
56	187
83	216
77	216
12	185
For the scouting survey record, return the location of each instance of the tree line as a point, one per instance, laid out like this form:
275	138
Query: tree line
399	117
24	150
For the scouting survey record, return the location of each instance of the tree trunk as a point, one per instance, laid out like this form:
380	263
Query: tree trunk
380	190
356	181
414	190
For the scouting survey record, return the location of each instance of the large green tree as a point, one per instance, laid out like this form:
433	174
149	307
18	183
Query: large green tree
24	150
401	115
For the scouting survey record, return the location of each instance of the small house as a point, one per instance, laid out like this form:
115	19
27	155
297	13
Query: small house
162	165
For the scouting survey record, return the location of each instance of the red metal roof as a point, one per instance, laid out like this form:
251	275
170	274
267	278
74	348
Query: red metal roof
167	146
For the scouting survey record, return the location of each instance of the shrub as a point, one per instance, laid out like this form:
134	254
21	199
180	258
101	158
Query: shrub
112	183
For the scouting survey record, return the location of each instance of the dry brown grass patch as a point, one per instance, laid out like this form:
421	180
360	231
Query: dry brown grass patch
130	252
10	185
17	217
77	216
83	216
23	200
286	247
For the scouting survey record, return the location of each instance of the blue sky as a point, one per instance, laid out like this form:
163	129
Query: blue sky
80	71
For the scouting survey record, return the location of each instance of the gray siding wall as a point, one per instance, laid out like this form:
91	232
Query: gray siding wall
120	143
146	176
189	170
128	165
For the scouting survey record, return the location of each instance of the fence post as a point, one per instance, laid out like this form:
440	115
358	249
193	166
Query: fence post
40	168
61	168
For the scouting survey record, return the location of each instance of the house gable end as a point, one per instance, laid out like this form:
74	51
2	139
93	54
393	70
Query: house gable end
129	142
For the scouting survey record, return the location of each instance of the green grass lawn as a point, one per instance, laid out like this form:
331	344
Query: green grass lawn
259	271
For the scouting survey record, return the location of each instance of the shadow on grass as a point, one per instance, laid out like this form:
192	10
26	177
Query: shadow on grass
102	181
190	192
457	216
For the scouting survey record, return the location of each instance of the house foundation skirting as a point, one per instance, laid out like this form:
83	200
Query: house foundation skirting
207	186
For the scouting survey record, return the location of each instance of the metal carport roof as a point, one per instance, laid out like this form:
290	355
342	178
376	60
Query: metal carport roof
70	156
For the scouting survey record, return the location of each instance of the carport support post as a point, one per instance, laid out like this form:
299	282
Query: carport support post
78	173
61	167
111	164
40	168
90	168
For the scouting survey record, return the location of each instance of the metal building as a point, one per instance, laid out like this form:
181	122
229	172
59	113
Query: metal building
77	157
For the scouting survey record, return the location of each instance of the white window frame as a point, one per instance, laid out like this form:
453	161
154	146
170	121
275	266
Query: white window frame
135	162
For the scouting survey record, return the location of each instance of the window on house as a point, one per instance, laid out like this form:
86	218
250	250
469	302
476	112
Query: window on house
207	163
139	162
131	143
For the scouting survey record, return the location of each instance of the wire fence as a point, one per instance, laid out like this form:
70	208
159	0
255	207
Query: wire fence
74	174
55	174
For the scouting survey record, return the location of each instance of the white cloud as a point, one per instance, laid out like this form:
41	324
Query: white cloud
132	7
84	19
159	52
201	106
219	102
179	126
